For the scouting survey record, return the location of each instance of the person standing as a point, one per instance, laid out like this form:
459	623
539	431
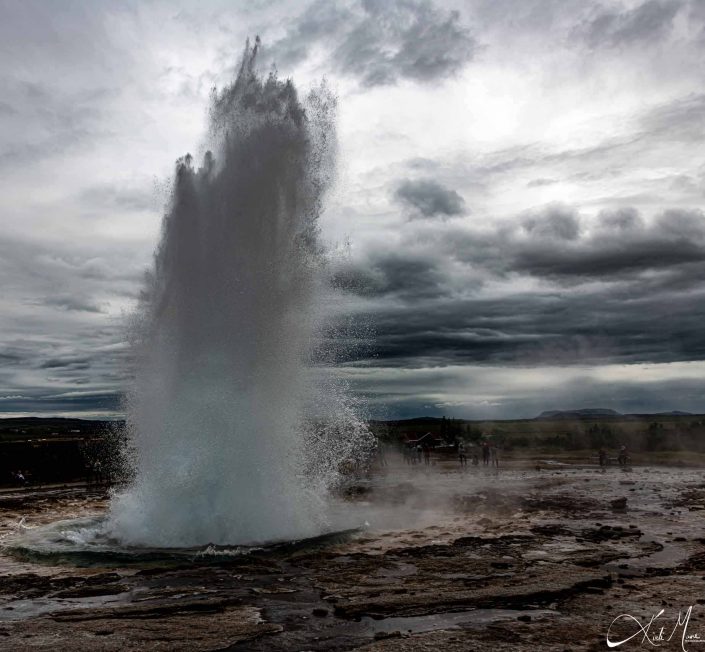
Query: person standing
494	456
485	453
623	457
461	454
602	456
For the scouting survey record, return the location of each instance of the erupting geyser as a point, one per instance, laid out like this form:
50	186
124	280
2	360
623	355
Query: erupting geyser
235	438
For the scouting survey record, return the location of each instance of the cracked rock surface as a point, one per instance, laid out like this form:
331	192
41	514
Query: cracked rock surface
521	559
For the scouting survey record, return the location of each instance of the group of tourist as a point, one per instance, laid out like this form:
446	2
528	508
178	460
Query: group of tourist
415	454
622	457
486	450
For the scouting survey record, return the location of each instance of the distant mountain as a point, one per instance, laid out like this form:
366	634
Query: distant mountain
672	413
585	413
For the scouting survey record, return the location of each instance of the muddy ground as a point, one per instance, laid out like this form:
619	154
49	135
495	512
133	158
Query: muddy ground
520	559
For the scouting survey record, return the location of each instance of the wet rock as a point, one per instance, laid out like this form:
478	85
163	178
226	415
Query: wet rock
619	503
500	564
181	633
331	598
92	591
609	532
551	530
566	504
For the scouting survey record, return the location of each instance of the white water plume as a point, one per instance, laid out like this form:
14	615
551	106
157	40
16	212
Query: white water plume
236	437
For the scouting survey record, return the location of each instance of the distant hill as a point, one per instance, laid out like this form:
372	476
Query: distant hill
584	413
602	413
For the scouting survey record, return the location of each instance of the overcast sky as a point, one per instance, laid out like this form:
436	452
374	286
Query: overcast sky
521	182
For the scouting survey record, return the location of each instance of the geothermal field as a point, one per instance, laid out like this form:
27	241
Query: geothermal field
540	556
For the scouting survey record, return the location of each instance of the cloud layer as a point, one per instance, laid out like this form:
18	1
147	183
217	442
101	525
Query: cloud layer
522	184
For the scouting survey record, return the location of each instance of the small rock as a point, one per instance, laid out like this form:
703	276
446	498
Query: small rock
320	612
526	618
382	635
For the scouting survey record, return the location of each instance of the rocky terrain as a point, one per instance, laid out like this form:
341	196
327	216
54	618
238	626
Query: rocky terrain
519	559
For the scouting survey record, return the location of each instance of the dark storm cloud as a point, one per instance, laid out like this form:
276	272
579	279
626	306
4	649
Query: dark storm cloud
556	222
382	41
54	340
428	198
387	274
617	288
58	363
319	20
405	39
620	244
647	22
554	244
590	327
68	302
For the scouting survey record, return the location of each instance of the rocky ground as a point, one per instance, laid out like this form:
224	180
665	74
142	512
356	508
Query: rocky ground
522	559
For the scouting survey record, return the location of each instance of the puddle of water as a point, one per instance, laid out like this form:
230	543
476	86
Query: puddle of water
456	620
23	609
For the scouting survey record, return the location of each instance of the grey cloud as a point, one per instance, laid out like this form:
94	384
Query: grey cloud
402	39
656	131
41	121
56	339
107	403
58	363
388	274
72	303
537	183
428	198
554	328
63	33
682	119
381	42
622	219
696	17
124	197
617	289
553	244
318	21
556	222
649	21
